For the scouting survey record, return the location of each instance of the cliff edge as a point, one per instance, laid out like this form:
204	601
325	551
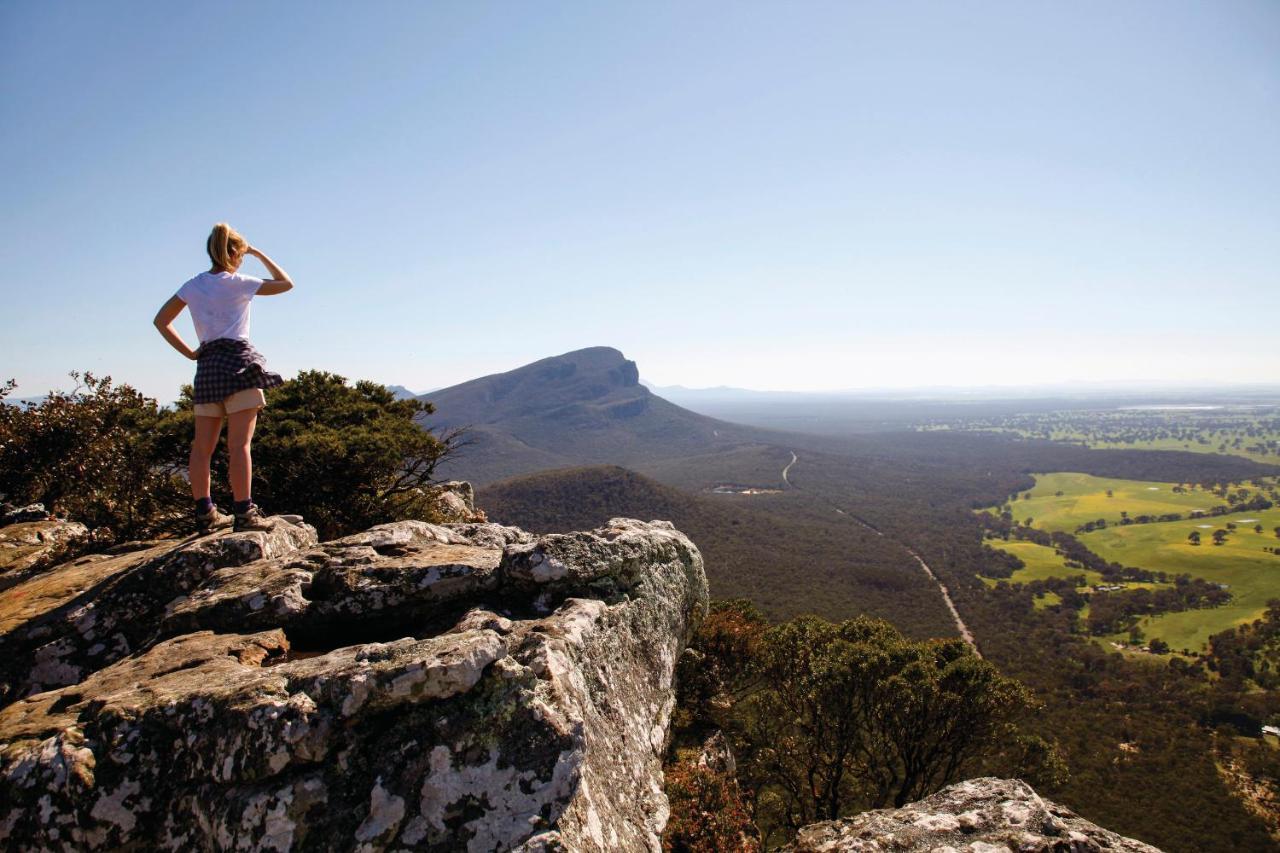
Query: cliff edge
445	687
463	686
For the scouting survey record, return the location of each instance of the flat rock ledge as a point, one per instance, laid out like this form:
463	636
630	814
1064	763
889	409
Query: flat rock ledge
69	621
417	686
985	815
25	542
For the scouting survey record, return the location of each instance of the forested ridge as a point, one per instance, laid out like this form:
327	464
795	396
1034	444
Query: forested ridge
1139	738
772	549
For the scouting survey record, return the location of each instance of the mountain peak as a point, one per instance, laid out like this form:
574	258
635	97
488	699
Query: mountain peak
604	363
587	406
595	375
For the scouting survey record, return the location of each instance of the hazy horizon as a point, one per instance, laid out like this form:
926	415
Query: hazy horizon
816	197
1084	385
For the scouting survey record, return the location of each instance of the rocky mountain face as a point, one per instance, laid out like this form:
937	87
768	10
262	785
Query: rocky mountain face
464	686
582	407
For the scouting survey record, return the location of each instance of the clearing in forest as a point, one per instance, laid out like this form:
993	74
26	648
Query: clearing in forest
1066	500
1252	574
1042	562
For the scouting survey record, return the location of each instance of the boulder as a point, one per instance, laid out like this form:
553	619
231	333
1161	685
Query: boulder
18	515
444	687
26	545
456	502
985	815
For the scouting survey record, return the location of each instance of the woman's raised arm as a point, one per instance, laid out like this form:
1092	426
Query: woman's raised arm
279	281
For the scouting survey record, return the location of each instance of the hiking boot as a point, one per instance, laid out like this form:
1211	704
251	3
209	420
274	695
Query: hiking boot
253	519
212	520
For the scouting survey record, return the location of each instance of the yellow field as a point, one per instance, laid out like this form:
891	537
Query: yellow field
1084	498
1047	599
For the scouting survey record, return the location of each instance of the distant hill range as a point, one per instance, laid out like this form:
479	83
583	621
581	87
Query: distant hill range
26	401
582	407
402	393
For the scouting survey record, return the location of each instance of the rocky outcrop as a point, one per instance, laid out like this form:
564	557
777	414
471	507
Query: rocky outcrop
10	514
456	503
463	686
978	816
443	687
27	543
61	625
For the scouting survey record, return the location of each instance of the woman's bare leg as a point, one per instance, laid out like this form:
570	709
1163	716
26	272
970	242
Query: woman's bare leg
202	447
239	436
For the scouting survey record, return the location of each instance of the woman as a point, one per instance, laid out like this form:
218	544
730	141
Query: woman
230	373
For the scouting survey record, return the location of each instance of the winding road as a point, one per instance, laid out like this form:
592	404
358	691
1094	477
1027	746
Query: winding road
788	468
963	629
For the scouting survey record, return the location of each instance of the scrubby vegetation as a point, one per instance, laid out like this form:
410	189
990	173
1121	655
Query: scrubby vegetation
828	719
708	811
103	454
343	456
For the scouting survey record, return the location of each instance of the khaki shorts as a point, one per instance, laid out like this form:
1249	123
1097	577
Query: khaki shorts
249	398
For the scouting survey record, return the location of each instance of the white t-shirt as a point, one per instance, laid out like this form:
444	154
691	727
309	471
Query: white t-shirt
219	304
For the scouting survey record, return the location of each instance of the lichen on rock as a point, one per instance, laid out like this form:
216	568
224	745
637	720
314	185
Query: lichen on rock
63	624
986	815
415	685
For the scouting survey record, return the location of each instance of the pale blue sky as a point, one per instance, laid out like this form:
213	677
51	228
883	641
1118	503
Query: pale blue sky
782	195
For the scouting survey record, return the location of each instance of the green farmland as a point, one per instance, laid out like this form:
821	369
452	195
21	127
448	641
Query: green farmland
1064	501
1251	574
1042	562
1250	431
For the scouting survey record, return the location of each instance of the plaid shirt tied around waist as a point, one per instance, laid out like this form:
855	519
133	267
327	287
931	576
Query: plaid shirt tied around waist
227	365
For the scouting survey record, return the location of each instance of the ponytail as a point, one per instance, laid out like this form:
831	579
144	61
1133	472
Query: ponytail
224	244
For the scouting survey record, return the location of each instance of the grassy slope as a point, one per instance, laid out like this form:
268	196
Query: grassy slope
1042	562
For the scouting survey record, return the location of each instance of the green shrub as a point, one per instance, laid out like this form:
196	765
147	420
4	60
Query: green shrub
828	719
345	457
98	454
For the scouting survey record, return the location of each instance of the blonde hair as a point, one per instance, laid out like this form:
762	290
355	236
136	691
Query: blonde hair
225	243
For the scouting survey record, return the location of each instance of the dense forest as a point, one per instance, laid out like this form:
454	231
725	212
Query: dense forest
771	549
1140	739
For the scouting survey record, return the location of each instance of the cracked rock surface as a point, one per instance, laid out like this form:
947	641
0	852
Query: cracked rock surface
64	623
416	686
985	815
